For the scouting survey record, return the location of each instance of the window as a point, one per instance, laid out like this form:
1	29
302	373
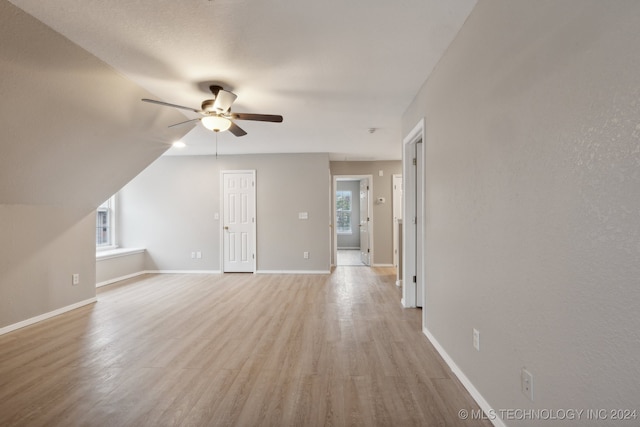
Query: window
105	224
343	212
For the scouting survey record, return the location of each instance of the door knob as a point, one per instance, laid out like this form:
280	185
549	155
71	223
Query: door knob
226	228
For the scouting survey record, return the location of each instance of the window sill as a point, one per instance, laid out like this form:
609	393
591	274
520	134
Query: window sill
115	253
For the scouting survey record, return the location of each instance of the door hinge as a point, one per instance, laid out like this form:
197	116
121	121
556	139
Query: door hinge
368	250
253	256
253	183
415	279
253	220
367	187
415	161
415	220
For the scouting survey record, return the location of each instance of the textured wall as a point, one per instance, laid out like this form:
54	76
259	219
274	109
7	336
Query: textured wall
169	209
532	197
42	247
73	132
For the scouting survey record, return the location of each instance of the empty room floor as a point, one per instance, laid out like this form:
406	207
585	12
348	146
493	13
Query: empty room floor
235	349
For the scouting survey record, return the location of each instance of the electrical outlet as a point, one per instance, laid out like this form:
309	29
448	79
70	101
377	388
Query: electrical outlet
527	383
476	339
193	255
198	254
305	255
75	279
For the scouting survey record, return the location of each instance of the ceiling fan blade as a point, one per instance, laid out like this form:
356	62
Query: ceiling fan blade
257	117
223	100
153	101
237	130
181	123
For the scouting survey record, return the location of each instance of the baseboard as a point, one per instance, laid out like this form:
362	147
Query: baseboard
293	272
475	394
382	265
139	273
118	279
45	316
399	283
183	271
355	248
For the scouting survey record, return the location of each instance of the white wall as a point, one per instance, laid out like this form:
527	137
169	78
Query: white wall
169	209
73	132
42	247
113	268
533	202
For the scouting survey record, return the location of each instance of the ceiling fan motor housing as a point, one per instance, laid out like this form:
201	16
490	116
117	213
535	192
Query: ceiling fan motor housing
208	105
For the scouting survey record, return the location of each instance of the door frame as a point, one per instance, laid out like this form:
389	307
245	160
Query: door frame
335	180
395	193
413	244
255	222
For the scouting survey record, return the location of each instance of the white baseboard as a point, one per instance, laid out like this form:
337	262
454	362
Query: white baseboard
382	265
183	271
475	394
45	316
399	283
139	273
118	279
293	272
354	248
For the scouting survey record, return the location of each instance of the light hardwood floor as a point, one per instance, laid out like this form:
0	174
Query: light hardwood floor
233	349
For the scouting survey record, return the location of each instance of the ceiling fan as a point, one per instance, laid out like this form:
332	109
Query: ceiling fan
217	115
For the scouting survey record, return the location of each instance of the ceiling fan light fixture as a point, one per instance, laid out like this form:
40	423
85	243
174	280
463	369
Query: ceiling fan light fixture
216	123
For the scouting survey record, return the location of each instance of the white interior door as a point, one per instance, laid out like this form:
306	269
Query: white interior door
239	221
365	232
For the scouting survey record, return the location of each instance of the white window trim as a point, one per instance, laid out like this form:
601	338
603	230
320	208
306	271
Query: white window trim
116	253
350	231
113	223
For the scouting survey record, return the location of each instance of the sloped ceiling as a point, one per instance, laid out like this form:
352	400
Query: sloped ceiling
73	130
333	68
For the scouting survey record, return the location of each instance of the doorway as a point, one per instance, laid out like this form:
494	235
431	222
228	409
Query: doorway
238	221
353	220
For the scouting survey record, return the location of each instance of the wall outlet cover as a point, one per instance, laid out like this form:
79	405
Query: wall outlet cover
527	383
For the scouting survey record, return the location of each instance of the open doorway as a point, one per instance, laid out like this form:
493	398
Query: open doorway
353	220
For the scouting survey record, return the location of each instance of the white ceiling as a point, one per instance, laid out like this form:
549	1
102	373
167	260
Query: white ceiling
333	68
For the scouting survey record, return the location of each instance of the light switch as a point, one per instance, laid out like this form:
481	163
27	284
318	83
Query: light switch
303	215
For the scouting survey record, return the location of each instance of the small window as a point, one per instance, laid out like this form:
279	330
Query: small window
343	212
105	224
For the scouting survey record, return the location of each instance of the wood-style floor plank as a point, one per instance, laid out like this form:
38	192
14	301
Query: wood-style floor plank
232	350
